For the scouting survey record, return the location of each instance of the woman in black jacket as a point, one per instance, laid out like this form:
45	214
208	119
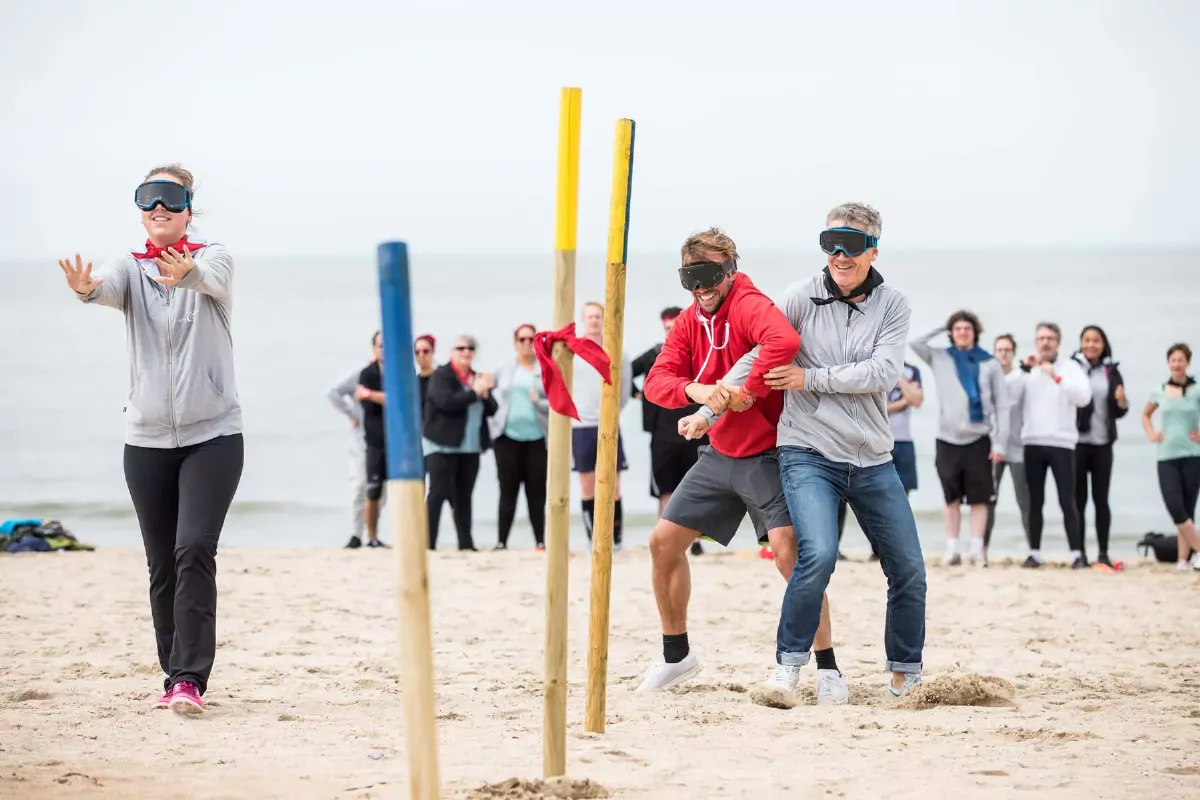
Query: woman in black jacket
1097	424
457	406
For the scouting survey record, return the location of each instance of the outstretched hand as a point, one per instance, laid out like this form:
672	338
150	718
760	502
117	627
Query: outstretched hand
174	266
79	277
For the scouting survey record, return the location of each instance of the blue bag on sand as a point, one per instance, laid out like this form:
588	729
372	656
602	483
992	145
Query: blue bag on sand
10	525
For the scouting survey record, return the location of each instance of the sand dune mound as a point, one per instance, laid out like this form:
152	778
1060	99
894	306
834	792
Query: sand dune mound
558	788
960	690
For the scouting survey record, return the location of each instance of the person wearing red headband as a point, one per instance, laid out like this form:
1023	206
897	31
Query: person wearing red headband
183	423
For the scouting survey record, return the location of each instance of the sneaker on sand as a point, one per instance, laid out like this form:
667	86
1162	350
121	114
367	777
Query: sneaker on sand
780	690
911	681
664	676
185	699
164	701
831	688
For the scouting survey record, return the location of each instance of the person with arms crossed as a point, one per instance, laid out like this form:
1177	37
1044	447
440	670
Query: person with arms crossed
671	455
371	396
972	426
737	472
835	442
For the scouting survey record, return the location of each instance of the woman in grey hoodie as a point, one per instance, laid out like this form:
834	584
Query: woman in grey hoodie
183	424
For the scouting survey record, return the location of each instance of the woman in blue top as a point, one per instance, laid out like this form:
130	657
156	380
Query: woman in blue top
518	431
1178	448
457	406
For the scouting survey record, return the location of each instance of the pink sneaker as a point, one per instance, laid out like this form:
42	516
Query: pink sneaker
185	699
164	701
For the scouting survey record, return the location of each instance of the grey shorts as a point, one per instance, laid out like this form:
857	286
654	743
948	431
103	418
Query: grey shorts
718	491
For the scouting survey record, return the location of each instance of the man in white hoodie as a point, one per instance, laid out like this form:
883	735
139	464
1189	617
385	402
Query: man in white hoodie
1050	391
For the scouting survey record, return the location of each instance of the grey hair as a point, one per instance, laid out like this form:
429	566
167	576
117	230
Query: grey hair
859	215
468	339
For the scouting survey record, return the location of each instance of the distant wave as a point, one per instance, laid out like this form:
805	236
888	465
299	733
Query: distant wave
65	510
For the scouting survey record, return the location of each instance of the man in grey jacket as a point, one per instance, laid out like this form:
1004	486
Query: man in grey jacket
835	442
972	426
343	399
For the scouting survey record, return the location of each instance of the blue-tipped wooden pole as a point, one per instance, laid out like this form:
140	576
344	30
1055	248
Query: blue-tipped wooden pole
406	487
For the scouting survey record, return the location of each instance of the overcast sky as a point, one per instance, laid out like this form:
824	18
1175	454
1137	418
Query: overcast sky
323	128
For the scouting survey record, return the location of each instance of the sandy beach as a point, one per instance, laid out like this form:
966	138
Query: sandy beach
1084	684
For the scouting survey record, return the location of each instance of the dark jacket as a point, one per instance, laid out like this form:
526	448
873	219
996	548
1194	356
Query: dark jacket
656	420
446	410
1083	417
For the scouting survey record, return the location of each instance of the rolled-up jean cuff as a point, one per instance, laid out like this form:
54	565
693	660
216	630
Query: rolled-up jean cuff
897	666
793	659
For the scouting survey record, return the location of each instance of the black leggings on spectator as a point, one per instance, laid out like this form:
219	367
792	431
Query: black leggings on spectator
181	496
451	480
1095	460
517	464
1040	459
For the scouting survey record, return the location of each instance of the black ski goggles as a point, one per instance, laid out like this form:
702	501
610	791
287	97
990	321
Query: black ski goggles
172	196
704	274
850	241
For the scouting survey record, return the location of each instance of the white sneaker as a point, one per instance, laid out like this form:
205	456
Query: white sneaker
911	681
780	690
831	688
664	675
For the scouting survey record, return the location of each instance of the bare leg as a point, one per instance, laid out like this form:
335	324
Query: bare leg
372	520
671	574
952	515
978	519
662	503
1188	536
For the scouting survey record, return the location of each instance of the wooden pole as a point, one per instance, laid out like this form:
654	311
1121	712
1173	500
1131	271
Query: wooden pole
610	412
406	487
558	530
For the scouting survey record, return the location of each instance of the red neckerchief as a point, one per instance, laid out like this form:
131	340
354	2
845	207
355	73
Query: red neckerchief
552	379
154	251
464	374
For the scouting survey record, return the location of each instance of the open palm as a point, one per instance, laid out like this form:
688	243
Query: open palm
79	277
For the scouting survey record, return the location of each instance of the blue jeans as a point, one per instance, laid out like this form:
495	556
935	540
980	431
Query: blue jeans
813	486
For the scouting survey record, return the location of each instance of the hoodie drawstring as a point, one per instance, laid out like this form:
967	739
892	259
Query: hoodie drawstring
712	343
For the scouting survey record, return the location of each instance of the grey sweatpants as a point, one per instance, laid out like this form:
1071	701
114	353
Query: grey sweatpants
1020	486
358	481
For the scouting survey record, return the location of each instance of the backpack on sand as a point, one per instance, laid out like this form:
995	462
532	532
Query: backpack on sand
1166	548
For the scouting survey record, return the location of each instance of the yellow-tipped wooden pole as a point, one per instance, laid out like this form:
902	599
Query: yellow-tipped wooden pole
610	412
558	529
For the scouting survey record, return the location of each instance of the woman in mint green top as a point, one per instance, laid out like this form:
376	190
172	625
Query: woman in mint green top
518	430
1178	448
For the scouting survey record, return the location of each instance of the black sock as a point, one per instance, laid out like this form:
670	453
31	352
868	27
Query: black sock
825	660
675	647
589	511
617	517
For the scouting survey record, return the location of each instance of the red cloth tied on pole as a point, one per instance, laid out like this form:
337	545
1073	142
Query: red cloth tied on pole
552	379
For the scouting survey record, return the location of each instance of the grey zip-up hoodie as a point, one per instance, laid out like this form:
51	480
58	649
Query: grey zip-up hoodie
504	379
181	381
851	360
343	399
954	411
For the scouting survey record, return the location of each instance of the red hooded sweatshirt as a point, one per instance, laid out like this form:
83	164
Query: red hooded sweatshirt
700	349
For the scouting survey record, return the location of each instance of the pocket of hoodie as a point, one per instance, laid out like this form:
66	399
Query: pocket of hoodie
144	407
799	408
199	398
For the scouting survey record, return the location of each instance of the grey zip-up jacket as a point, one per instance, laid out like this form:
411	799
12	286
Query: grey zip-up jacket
502	392
954	412
181	381
343	399
851	360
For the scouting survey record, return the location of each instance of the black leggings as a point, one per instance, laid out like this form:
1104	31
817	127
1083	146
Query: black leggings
451	480
520	463
181	497
1179	480
1095	460
1040	459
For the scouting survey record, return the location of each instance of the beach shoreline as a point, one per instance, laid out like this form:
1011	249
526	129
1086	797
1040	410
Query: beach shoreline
305	701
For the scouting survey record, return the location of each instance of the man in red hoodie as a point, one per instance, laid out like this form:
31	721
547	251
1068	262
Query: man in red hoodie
737	472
